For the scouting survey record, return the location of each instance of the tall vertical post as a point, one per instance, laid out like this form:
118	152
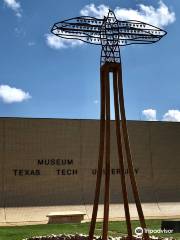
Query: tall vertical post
107	157
101	156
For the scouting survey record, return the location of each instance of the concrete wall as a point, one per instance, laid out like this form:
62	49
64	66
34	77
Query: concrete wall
25	181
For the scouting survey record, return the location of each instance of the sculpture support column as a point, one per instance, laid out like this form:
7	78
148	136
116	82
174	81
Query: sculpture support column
107	157
101	156
104	150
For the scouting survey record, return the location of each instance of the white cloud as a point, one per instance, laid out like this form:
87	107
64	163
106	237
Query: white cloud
59	43
15	6
11	94
172	116
160	16
92	10
149	114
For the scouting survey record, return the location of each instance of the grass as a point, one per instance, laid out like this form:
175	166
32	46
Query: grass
115	229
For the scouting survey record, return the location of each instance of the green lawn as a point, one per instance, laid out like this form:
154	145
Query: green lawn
115	229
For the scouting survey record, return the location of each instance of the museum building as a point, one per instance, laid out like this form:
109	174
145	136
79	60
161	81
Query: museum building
51	164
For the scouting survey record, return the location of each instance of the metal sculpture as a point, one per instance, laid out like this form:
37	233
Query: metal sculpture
111	34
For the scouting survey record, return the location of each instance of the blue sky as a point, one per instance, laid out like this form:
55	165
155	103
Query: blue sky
41	76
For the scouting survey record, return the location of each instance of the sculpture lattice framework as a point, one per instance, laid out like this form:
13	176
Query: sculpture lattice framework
111	33
108	32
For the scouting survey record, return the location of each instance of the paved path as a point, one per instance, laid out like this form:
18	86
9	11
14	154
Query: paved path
37	215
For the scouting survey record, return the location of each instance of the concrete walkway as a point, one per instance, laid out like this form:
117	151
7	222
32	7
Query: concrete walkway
37	215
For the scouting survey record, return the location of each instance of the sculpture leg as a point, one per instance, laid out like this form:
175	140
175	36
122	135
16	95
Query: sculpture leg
128	153
107	163
101	156
120	154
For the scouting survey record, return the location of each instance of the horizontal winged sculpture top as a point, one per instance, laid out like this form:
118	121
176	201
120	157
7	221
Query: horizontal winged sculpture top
108	32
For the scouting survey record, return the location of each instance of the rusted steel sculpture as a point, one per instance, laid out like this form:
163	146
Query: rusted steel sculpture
111	34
